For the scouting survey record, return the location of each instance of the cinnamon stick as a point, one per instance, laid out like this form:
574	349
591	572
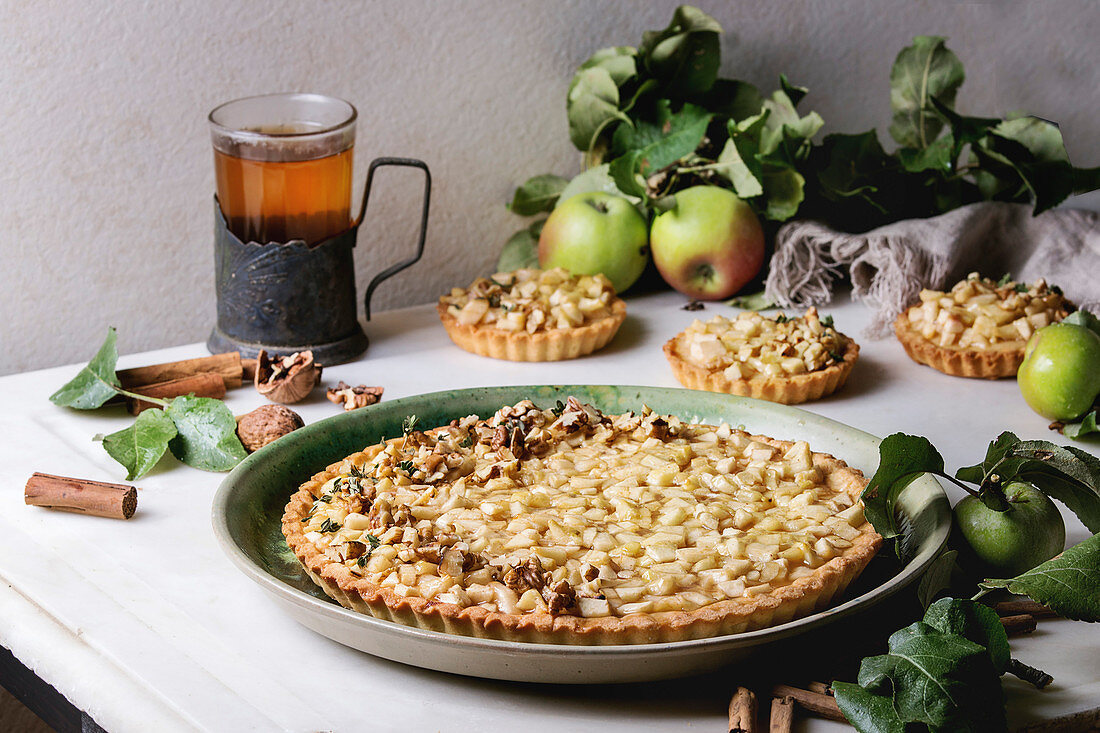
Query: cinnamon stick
822	688
817	703
248	370
782	715
1028	606
227	365
207	384
1016	625
82	496
743	711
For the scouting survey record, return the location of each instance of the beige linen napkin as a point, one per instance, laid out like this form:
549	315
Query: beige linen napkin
888	266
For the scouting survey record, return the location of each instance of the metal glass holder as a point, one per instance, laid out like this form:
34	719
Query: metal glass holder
286	296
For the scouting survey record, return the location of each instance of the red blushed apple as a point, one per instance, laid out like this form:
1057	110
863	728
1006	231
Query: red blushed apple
709	245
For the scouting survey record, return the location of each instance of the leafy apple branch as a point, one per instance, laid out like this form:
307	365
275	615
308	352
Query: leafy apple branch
200	431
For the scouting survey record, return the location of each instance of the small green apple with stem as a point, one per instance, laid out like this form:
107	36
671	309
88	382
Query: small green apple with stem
1060	375
596	232
709	244
1007	543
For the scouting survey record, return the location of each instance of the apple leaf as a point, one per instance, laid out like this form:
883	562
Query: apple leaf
521	250
537	194
591	105
96	383
751	302
974	621
902	459
662	141
206	434
1086	426
922	71
618	61
943	680
685	55
1065	473
785	191
1084	319
1069	584
852	166
139	447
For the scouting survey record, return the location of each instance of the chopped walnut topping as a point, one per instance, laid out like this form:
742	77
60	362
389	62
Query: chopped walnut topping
532	300
528	576
354	397
560	598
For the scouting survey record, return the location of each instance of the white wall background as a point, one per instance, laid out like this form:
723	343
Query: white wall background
106	169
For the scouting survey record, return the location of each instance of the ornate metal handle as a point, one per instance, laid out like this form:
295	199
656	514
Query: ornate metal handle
394	269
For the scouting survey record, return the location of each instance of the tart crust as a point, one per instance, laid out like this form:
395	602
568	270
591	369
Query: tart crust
552	345
1000	361
788	390
799	598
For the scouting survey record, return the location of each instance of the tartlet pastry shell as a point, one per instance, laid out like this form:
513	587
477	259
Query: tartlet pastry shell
1003	360
788	390
800	598
551	345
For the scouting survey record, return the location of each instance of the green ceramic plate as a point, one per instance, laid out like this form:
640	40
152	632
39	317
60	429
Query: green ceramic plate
249	506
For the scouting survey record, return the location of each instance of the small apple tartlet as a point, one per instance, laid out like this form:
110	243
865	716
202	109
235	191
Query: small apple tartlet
979	328
780	359
533	315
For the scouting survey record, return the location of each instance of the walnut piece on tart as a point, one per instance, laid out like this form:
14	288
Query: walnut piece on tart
533	315
979	328
780	359
570	526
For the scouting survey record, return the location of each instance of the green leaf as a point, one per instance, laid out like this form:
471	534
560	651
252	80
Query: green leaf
937	578
539	193
594	179
964	130
624	173
140	446
867	712
853	165
902	459
731	98
785	191
924	70
1069	584
206	434
617	61
591	105
794	93
1033	148
1084	319
664	140
1065	473
746	182
1085	426
974	621
520	251
685	55
786	134
96	383
751	302
942	680
936	157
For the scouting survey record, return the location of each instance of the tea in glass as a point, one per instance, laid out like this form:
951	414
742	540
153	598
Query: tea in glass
283	166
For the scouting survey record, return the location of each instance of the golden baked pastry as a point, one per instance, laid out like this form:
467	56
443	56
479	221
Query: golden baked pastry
533	315
780	359
573	527
979	328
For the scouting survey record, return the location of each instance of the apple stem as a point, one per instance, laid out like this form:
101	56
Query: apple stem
958	483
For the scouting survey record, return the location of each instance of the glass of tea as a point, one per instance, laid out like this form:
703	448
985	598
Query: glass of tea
283	165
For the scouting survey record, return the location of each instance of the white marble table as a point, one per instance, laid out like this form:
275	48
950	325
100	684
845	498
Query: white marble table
147	626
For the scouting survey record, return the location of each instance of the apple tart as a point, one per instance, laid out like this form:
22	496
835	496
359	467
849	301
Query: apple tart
780	359
569	526
533	315
979	328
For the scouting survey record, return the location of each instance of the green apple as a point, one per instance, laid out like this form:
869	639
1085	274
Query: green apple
596	232
1060	374
1012	542
709	245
